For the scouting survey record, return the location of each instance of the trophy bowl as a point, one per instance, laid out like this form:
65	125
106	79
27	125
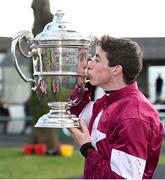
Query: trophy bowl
59	55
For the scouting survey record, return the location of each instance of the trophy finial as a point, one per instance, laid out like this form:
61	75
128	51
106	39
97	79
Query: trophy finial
59	14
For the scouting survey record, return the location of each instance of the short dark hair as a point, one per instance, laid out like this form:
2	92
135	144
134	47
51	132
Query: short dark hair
124	52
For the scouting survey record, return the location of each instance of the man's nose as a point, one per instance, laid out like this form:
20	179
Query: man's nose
90	63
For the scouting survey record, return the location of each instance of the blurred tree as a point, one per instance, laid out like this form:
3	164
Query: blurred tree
49	136
92	48
42	15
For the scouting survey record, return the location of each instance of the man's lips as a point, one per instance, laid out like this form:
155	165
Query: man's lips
89	75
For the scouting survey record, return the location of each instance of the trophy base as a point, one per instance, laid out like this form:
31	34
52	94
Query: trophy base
57	121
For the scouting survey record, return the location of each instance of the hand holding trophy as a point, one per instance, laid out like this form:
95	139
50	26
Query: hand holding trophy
59	55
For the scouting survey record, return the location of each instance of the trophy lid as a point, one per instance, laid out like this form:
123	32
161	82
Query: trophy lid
59	30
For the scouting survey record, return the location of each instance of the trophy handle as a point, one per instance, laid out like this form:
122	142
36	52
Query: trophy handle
17	40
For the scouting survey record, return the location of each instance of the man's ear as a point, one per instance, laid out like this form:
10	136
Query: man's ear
117	69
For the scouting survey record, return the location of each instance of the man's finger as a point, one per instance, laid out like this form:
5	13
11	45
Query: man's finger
73	130
83	126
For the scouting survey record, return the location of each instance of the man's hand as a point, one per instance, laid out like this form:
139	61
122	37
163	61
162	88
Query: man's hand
80	135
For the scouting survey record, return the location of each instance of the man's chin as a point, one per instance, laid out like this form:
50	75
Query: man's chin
93	83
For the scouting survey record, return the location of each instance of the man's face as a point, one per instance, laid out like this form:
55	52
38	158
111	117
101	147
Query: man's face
99	72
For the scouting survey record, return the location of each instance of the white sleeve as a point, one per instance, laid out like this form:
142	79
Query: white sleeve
86	113
126	165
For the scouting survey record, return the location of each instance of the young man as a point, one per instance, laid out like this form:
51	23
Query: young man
124	136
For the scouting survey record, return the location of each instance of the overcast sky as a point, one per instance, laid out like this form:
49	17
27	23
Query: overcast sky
123	18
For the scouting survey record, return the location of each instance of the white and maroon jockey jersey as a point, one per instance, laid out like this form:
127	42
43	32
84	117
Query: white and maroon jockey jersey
126	133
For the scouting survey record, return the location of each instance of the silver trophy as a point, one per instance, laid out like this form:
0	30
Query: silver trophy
59	55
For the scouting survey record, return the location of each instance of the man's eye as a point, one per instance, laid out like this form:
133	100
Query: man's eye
97	60
89	59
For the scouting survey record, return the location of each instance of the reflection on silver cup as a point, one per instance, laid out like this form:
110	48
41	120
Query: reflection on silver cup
59	56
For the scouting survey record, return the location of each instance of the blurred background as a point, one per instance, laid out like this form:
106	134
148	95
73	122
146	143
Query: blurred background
20	108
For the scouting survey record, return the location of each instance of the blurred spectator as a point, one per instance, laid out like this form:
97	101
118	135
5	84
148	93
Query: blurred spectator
28	116
159	85
4	116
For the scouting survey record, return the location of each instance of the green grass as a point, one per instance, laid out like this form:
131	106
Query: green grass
162	160
162	157
13	164
163	143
